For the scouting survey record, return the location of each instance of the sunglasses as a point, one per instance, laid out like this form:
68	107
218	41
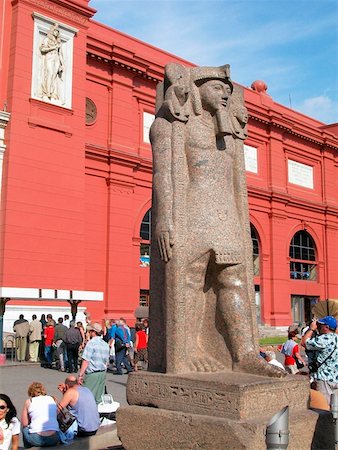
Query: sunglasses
3	407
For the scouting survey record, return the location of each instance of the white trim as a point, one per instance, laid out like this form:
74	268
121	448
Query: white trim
88	295
23	293
13	311
62	294
49	294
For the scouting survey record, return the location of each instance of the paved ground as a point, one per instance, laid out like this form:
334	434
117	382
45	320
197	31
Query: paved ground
15	379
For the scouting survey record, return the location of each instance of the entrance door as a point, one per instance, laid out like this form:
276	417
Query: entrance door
301	307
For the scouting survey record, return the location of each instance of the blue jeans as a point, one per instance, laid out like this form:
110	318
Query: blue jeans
36	440
48	354
121	357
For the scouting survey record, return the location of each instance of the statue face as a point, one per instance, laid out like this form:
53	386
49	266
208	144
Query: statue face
242	115
214	95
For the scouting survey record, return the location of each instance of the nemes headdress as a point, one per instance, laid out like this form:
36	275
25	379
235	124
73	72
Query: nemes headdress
199	75
202	74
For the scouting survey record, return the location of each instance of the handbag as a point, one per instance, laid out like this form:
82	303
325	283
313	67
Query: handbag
299	363
65	419
119	345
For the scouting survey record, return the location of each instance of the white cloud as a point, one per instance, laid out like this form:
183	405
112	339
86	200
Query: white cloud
323	108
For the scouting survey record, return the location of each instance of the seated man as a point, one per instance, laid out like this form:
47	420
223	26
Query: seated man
81	403
270	357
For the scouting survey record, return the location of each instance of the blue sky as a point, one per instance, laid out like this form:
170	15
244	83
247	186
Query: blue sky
290	44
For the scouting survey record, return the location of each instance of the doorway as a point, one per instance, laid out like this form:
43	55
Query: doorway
301	308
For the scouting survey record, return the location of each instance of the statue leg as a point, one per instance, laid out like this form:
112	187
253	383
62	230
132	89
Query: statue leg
233	303
198	356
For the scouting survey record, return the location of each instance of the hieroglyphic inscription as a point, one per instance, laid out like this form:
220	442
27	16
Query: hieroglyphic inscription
182	394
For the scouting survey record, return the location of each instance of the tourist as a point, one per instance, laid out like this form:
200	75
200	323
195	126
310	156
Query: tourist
9	424
80	401
270	357
95	359
291	351
50	319
66	321
120	338
49	339
73	340
39	418
59	339
21	330
141	344
79	326
35	330
324	368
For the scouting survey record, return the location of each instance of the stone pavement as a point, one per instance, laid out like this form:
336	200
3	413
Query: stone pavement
15	379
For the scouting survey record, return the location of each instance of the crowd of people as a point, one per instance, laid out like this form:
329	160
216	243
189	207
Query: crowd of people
60	344
114	347
319	341
86	353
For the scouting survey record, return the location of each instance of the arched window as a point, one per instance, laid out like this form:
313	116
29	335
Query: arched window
145	235
255	253
303	257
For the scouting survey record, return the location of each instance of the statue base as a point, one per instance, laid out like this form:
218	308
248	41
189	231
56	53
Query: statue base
212	411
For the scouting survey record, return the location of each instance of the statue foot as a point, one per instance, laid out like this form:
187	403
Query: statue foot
256	365
205	364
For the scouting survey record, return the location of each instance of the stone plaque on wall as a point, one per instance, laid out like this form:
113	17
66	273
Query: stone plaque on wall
250	156
52	70
300	174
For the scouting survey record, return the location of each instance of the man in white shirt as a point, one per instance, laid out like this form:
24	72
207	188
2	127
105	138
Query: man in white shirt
270	357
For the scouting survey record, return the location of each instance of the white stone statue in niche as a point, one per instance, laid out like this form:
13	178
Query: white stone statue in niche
52	65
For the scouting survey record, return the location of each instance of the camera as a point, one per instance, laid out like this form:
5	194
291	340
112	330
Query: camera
313	367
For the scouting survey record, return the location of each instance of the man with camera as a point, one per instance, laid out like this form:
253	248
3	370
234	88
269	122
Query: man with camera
324	367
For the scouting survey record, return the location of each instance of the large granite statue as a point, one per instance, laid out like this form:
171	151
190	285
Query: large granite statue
202	311
203	335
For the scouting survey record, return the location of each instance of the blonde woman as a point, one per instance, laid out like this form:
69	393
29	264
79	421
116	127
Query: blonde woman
40	427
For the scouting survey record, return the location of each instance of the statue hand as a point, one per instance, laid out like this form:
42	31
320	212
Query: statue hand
165	242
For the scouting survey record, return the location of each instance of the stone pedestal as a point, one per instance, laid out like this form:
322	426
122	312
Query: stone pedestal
211	411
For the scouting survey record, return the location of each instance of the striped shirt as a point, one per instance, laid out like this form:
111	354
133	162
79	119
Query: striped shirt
96	353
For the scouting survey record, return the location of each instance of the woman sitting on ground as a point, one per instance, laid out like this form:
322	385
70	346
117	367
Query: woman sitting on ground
9	424
39	418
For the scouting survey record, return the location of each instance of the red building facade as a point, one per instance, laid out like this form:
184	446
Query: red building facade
76	175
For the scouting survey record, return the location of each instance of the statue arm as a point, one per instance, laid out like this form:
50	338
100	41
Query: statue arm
160	135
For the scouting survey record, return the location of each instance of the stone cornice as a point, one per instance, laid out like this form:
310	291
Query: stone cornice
319	137
291	201
131	66
119	157
73	10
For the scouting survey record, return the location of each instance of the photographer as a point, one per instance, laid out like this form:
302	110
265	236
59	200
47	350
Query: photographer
325	366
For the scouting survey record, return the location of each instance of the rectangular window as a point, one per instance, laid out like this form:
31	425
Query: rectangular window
144	297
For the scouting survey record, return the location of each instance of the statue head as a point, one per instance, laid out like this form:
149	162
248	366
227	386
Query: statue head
211	87
238	113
